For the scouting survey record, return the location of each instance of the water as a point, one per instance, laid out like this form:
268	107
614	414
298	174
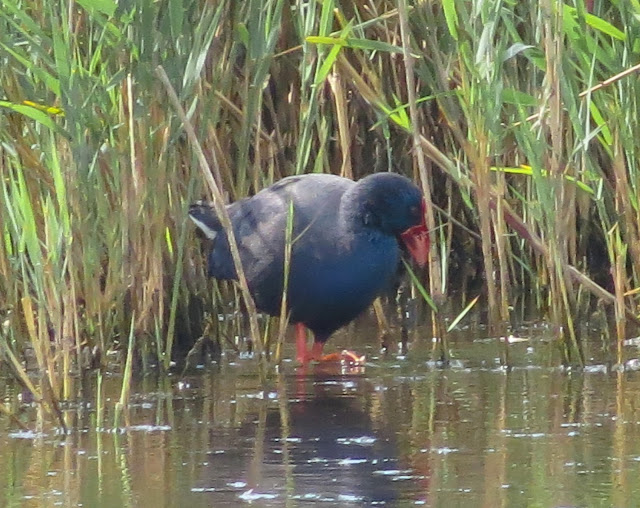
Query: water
403	432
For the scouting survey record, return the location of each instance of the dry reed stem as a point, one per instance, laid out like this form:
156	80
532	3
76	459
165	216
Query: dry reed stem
435	282
561	287
381	318
343	123
627	214
14	419
284	314
619	256
220	209
482	188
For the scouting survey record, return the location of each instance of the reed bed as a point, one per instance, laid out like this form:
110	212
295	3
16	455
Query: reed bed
519	120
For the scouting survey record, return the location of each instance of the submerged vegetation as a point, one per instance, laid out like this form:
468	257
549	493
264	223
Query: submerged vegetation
519	120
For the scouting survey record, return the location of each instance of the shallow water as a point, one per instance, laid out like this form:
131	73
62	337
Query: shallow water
403	432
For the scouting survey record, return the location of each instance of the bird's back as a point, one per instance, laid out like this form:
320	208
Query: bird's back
260	222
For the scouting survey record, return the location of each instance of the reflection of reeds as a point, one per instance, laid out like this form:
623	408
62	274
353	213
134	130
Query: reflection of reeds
515	428
526	115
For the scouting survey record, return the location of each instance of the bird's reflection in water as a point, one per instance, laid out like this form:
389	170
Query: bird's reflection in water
316	443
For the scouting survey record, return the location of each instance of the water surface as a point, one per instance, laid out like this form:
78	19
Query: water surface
403	432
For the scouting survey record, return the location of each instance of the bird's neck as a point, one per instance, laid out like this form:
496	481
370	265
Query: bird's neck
356	215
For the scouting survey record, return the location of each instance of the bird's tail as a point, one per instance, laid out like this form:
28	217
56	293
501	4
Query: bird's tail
220	262
204	216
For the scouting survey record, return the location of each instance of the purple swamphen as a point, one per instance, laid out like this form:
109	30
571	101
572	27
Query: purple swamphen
345	246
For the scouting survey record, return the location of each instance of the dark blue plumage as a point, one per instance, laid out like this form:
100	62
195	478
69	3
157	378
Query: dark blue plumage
345	250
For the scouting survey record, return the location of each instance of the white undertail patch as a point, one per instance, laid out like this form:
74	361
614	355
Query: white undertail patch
208	232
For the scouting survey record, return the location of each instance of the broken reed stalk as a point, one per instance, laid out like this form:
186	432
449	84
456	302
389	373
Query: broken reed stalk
221	211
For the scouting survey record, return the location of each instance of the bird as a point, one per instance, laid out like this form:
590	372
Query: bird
347	239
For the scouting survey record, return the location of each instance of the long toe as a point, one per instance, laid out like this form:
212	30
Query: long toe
345	357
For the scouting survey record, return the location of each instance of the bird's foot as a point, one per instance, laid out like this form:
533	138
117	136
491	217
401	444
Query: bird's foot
305	356
345	357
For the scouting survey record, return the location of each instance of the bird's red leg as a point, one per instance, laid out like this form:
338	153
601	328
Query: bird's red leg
316	351
301	343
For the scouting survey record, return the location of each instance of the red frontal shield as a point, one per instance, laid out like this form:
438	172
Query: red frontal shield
416	239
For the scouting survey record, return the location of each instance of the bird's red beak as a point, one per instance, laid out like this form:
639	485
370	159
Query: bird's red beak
416	239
